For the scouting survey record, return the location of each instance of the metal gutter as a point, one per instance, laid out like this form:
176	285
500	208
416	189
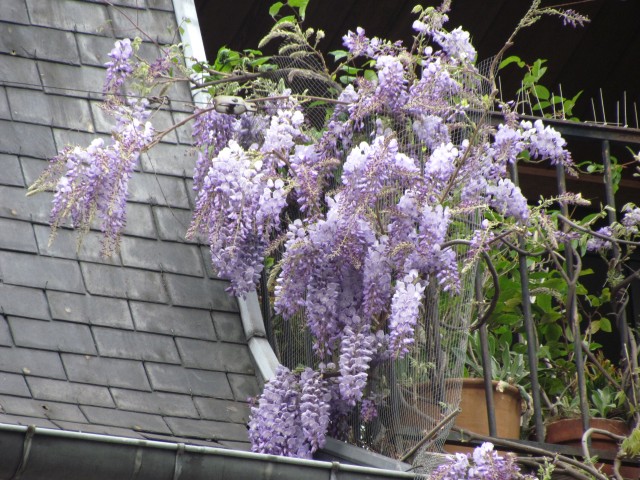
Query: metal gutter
32	453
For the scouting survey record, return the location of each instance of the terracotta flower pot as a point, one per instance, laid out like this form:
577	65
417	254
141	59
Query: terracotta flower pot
474	418
569	432
473	403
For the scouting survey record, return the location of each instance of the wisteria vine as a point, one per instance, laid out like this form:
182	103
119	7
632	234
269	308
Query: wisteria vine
361	209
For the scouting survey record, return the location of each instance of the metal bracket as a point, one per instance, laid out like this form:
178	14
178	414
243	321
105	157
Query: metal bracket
137	464
26	451
177	471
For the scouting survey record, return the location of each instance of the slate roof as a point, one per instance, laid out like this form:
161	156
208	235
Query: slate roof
145	344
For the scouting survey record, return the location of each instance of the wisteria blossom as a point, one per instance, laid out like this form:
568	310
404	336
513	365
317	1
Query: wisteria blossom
482	464
119	67
358	215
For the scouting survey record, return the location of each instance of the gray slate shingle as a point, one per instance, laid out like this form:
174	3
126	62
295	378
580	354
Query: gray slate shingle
41	43
70	15
31	362
56	336
171	378
10	173
110	372
86	342
184	322
139	346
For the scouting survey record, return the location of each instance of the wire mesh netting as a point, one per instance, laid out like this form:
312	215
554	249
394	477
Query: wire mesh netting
415	393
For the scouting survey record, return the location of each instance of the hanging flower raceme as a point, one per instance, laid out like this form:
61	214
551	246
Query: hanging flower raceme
291	417
94	180
120	67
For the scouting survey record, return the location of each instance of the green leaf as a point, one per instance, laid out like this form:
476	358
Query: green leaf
605	325
370	75
287	19
350	70
541	92
301	5
339	54
510	60
275	9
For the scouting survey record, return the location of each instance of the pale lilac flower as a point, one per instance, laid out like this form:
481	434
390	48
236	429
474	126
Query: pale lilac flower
405	310
595	244
545	142
457	45
120	67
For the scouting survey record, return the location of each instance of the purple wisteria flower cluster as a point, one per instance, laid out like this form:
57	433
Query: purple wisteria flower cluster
292	415
484	463
363	210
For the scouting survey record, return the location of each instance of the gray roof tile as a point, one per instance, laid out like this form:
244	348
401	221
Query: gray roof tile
67	392
21	420
99	429
26	139
172	223
158	190
207	429
17	235
163	256
41	272
54	110
5	114
244	386
214	409
135	345
14	11
200	293
170	160
123	282
140	221
23	301
105	311
226	357
19	71
5	334
94	51
61	79
110	372
170	378
88	343
70	15
184	132
229	327
153	22
10	173
64	244
41	43
41	409
160	4
166	404
56	336
14	204
65	137
185	322
31	362
13	384
119	418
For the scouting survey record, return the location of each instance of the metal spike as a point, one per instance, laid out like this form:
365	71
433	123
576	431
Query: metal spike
604	114
593	108
564	115
624	97
635	111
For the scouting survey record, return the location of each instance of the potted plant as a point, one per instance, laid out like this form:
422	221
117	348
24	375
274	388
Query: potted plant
509	384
